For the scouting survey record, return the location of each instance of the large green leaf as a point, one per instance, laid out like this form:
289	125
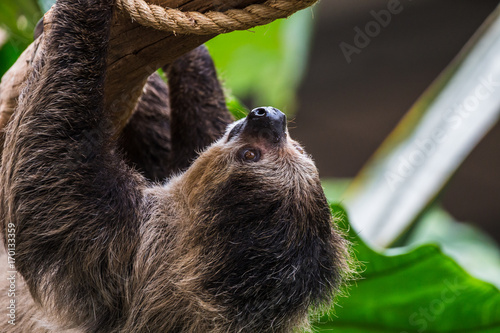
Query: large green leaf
9	52
470	247
422	290
474	250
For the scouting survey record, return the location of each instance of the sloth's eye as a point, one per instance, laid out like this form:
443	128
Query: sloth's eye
250	155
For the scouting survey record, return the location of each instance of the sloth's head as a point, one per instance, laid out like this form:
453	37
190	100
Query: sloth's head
256	157
261	223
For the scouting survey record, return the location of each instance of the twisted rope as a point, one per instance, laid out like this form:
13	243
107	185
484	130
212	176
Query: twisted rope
168	19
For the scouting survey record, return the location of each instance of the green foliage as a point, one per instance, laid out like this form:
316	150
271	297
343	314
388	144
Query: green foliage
475	251
334	188
234	105
9	52
416	290
17	20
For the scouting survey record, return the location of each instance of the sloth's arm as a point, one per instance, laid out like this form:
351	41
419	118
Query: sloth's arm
198	110
73	203
161	139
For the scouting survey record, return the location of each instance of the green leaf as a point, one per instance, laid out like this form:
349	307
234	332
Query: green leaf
9	53
17	21
422	290
474	250
265	65
234	105
19	18
335	187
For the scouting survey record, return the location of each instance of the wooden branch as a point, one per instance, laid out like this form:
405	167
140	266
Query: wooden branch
135	53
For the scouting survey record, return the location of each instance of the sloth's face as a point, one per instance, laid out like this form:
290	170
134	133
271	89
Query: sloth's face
256	159
263	136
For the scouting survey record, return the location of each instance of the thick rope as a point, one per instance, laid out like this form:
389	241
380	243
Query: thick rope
168	19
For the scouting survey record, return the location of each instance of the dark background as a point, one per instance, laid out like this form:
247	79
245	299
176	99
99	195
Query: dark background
346	110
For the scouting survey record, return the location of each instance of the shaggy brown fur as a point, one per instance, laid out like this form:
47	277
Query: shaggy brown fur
240	242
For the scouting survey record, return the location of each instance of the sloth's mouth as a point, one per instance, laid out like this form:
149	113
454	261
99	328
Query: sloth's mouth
265	124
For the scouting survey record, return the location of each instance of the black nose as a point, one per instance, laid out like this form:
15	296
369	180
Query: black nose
259	113
266	123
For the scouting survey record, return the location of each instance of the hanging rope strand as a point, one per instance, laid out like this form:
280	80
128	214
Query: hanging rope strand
168	19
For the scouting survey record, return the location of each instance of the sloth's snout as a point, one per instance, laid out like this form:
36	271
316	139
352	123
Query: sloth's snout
266	123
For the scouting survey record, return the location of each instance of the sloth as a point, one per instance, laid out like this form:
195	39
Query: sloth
189	222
